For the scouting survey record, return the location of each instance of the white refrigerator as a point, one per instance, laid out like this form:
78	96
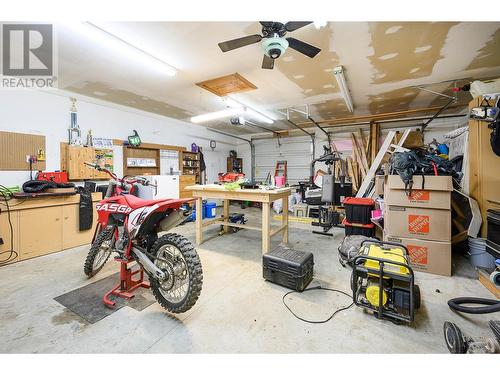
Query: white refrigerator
167	186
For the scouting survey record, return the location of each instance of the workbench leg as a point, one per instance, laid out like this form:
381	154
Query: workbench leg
266	240
199	218
284	220
226	215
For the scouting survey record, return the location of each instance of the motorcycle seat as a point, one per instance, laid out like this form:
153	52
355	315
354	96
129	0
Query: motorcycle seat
135	202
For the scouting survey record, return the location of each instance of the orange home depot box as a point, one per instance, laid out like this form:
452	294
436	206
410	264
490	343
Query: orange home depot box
427	192
423	223
426	256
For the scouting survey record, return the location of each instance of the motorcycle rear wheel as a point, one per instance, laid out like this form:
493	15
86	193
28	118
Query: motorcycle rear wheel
178	258
99	252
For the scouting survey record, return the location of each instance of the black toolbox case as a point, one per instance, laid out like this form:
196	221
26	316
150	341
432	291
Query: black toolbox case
290	268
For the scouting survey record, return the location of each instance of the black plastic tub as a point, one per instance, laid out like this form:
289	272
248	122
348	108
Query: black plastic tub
351	229
359	210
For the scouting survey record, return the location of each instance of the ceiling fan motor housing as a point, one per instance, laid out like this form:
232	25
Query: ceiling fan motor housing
274	47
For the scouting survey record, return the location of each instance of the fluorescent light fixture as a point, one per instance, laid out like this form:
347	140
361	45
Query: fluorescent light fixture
258	116
121	47
344	90
235	109
215	115
245	109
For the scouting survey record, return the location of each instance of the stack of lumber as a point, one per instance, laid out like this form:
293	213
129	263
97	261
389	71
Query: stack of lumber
359	163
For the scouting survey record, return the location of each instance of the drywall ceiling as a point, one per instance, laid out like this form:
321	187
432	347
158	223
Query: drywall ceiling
382	61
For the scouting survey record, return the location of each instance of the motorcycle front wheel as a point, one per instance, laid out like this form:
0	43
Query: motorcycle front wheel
99	252
180	289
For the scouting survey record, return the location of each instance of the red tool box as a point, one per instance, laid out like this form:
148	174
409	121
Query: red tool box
59	177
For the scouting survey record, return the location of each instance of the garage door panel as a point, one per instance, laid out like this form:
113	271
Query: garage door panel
296	151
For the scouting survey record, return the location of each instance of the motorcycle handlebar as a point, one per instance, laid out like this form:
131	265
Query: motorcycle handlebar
140	180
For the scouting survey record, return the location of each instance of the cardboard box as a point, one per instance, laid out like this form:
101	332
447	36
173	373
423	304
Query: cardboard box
437	192
379	185
426	256
423	223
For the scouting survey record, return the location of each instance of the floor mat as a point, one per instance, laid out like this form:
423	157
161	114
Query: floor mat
87	300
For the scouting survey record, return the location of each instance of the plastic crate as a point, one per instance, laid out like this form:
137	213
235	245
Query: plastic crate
359	210
289	268
351	229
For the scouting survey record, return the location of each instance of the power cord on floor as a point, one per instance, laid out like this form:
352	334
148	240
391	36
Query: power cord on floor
12	253
316	288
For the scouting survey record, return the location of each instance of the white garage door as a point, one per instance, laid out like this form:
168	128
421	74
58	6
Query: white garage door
295	150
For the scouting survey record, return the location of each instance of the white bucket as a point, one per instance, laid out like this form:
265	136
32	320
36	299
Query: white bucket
478	255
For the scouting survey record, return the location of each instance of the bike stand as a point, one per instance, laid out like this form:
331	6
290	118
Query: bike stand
127	284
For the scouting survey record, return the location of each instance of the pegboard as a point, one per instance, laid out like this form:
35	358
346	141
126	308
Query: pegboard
15	146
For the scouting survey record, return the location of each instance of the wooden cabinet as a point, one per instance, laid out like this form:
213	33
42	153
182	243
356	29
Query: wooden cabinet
71	234
484	168
5	232
41	231
186	180
73	159
190	165
45	225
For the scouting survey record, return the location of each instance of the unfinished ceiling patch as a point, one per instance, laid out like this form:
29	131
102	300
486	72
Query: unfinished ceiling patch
315	74
422	49
330	109
392	101
489	55
230	84
388	56
393	29
395	52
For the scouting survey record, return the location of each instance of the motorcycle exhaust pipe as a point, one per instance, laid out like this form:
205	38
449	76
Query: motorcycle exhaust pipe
148	265
172	220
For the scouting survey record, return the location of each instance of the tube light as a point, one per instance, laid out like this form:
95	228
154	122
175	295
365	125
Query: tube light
122	47
245	109
344	90
258	116
216	115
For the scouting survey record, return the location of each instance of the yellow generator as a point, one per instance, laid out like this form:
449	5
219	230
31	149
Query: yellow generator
382	281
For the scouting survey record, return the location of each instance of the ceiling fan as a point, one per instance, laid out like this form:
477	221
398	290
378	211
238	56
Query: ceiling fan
274	42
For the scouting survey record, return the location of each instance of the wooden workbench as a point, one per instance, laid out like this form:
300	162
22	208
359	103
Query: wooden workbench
266	197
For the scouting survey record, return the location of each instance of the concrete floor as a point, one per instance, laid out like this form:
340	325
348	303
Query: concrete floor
238	312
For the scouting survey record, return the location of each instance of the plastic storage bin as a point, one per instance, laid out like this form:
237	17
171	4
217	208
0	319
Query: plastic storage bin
351	229
210	210
203	211
290	268
358	210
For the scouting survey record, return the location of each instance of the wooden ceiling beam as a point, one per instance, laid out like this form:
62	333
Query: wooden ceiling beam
375	117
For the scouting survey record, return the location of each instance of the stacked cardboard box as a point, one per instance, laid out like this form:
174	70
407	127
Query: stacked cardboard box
421	220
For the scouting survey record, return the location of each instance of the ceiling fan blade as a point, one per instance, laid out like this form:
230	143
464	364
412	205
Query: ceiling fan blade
267	62
266	23
303	47
240	42
294	25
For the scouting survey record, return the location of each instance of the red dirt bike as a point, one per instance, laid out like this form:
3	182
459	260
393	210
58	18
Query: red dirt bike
129	226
